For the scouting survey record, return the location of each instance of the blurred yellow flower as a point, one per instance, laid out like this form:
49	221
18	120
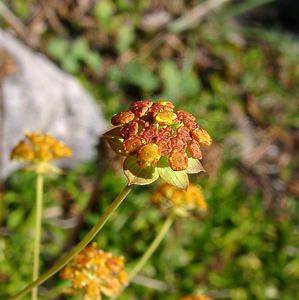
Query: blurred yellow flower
39	149
181	202
96	272
199	297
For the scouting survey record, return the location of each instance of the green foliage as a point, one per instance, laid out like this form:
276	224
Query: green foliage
72	54
240	250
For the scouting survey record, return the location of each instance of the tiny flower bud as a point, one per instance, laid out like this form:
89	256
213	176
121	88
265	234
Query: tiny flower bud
149	133
22	151
177	144
148	155
166	133
132	144
184	115
166	117
122	118
166	104
178	161
184	133
129	129
194	149
139	108
164	146
61	150
202	136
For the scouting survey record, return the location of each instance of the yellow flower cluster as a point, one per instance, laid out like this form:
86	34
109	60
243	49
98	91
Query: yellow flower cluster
180	201
96	272
199	297
37	147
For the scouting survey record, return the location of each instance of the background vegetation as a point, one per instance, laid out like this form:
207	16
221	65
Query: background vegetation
236	68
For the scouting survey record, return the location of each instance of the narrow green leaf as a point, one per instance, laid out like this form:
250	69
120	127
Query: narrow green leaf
115	141
137	175
177	178
194	166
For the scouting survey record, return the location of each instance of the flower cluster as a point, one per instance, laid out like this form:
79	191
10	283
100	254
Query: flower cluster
199	297
39	150
158	141
151	130
96	272
181	202
40	147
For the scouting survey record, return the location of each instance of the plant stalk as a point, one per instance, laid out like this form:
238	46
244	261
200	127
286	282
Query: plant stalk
79	247
37	231
152	248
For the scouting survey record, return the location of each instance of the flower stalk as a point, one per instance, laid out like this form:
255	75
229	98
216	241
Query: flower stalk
37	231
153	247
79	247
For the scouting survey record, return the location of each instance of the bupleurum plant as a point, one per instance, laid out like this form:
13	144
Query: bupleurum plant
37	151
96	273
158	141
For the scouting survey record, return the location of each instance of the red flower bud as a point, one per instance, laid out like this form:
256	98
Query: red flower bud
185	115
132	144
139	108
194	150
177	144
122	118
164	146
202	136
166	133
184	134
149	133
129	129
178	161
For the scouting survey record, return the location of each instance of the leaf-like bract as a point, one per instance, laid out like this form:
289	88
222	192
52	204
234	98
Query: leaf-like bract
177	178
137	175
115	141
194	166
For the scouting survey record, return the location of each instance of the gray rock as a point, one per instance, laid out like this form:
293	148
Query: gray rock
39	96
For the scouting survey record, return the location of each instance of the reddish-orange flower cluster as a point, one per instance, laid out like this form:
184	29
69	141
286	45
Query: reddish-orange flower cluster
151	130
96	272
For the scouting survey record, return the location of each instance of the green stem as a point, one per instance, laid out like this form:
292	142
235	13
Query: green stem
37	231
79	247
152	248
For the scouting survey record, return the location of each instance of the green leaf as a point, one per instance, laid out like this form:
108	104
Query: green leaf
80	48
115	141
93	60
194	166
70	64
125	38
103	11
142	77
172	79
137	175
177	178
58	48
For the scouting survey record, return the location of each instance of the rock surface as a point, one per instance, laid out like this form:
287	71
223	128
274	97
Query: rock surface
37	95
